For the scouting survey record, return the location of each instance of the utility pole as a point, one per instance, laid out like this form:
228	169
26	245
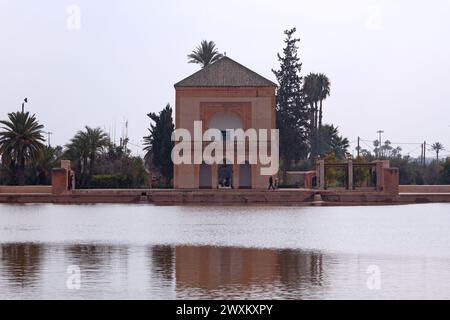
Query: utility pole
126	135
379	135
379	140
421	154
424	153
48	137
23	104
358	147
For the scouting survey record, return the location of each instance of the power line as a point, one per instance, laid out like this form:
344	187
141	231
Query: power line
411	143
416	145
133	144
370	147
420	146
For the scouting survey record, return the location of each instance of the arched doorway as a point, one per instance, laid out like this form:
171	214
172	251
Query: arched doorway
223	121
245	176
225	175
205	176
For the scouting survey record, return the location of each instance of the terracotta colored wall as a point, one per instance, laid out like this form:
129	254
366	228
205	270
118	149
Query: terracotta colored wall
425	189
59	180
185	177
391	181
190	107
25	189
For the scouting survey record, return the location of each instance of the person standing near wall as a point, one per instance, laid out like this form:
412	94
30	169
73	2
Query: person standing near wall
271	186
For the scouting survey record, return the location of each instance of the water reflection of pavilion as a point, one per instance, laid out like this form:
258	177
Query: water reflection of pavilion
212	268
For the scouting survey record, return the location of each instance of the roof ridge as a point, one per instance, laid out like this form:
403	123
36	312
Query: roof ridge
242	66
225	72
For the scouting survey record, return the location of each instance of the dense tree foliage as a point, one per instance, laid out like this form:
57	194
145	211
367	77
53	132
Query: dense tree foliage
299	104
445	173
84	149
291	112
159	144
117	168
100	163
333	143
50	158
411	170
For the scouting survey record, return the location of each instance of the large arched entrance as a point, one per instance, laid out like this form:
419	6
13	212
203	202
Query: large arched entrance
245	176
223	121
205	176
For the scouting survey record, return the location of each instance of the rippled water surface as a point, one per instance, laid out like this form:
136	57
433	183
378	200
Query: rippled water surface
150	252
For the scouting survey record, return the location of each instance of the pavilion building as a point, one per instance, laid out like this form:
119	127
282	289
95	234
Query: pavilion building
224	95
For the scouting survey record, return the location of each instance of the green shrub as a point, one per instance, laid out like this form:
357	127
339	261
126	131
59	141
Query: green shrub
109	181
445	172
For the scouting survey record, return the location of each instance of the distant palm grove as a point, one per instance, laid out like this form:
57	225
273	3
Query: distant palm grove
98	162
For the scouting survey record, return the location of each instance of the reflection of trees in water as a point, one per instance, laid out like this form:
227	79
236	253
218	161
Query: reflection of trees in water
298	268
22	262
163	258
221	271
93	257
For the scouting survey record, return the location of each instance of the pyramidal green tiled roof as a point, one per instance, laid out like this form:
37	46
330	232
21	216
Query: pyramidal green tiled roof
225	73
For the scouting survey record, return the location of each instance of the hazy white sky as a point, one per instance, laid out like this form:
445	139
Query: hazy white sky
388	61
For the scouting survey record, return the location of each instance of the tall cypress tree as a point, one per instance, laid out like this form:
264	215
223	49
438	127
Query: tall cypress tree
159	144
292	113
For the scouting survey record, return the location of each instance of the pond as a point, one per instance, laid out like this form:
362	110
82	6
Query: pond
139	251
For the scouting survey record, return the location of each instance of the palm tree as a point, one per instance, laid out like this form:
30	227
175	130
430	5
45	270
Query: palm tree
49	160
437	147
385	150
396	152
333	142
324	92
97	140
84	149
21	140
77	151
311	93
323	89
205	54
377	148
